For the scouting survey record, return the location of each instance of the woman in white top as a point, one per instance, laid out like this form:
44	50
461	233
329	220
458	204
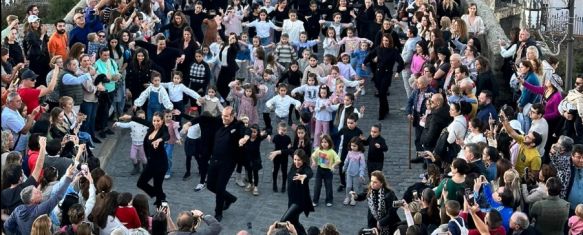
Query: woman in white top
456	129
474	22
475	135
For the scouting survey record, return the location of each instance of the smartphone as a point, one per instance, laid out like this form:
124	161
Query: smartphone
367	231
84	168
526	171
164	205
281	225
468	195
398	203
415	195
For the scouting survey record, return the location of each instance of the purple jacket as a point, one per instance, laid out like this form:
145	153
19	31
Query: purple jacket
552	103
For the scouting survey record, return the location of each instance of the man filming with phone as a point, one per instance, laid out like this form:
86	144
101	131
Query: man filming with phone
528	154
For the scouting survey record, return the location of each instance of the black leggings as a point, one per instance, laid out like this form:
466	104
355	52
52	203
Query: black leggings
255	179
293	216
156	172
292	109
280	162
267	120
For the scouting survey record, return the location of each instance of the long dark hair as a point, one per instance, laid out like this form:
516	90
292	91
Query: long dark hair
118	48
146	61
140	202
428	196
253	89
105	205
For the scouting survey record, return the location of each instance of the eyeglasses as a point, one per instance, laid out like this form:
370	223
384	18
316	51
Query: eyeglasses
101	35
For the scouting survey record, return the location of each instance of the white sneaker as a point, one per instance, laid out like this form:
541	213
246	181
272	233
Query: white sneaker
328	204
346	201
249	188
199	187
239	181
167	177
352	202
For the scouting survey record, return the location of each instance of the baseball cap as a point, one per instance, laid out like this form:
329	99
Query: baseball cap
28	74
33	18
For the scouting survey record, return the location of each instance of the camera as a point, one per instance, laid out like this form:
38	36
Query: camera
398	203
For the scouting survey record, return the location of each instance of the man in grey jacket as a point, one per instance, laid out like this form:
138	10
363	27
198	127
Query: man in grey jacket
21	219
188	221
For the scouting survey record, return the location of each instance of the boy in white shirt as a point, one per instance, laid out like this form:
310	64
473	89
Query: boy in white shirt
292	26
282	102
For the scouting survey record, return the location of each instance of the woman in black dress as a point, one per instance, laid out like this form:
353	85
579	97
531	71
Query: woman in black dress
228	65
387	56
381	213
298	181
157	160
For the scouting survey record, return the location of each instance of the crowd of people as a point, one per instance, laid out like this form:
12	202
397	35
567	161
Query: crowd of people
198	74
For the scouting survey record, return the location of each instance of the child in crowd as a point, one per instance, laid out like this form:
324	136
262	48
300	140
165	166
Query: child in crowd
304	61
200	75
345	135
313	67
328	62
248	101
174	139
304	44
292	26
263	26
335	25
234	93
323	114
94	45
206	123
294	79
345	68
576	221
354	168
273	65
192	146
126	213
352	42
138	133
156	95
456	224
279	156
176	90
310	91
232	21
338	94
267	80
258	61
281	103
335	76
326	160
243	57
284	51
377	147
210	102
357	61
330	44
253	158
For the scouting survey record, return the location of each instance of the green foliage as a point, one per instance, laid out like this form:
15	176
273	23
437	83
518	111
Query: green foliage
58	9
16	8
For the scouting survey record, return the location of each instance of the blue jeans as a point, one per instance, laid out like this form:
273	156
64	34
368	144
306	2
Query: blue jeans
89	109
169	150
325	175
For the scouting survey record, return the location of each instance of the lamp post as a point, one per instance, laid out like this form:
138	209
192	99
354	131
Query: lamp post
570	41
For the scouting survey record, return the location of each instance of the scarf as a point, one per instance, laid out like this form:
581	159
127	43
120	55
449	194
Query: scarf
378	209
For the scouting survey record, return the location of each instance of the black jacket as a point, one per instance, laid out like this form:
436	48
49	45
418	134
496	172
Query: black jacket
376	154
297	192
391	219
434	123
386	59
487	81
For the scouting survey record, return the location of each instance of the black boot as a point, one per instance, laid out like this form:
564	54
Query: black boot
275	186
136	169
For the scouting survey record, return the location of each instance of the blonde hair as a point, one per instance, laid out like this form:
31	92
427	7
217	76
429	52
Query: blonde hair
512	181
41	226
64	99
579	211
534	50
445	22
92	37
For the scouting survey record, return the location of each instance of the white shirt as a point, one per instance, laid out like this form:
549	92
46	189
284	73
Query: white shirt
162	97
177	91
542	127
13	121
282	104
138	133
457	129
193	132
293	29
343	114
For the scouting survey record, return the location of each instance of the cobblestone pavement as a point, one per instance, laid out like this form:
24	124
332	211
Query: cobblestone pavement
263	210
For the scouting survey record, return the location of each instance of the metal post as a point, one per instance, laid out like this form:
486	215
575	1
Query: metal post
570	40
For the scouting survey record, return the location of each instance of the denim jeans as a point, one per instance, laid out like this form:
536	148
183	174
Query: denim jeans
89	109
169	150
325	175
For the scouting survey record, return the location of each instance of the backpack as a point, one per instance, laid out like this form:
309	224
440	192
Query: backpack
462	227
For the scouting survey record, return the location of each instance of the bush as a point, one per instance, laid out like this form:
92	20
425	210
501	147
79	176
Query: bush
58	9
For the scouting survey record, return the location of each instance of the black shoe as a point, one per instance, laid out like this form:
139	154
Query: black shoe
102	135
219	217
186	176
95	140
275	188
417	160
109	132
283	190
228	204
341	188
